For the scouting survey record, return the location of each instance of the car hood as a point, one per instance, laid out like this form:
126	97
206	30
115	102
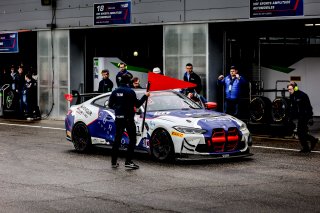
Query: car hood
206	119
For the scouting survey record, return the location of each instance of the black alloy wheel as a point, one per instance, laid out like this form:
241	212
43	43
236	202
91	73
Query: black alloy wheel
162	146
260	109
280	110
81	138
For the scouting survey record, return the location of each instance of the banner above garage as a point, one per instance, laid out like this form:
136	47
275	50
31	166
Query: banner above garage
9	42
272	8
112	13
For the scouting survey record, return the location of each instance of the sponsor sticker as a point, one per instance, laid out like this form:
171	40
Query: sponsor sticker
177	134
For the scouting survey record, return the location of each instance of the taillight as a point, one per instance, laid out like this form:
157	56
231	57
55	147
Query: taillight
69	112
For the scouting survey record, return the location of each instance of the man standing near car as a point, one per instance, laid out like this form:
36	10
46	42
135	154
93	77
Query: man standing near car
123	71
233	85
105	85
192	77
124	101
301	110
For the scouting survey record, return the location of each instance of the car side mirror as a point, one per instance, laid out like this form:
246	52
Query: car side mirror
211	105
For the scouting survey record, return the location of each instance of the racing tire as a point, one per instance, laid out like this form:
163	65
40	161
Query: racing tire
260	109
81	138
280	110
161	146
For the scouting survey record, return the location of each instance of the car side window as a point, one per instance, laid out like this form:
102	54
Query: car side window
102	102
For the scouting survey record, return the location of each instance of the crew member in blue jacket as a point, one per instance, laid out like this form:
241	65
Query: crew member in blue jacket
123	71
232	86
124	101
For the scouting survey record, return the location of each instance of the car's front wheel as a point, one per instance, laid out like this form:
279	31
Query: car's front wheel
162	146
81	138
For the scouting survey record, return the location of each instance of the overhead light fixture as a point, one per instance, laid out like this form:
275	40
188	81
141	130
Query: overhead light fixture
308	25
318	24
135	53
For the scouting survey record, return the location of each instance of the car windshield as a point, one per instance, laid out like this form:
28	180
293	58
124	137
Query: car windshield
169	100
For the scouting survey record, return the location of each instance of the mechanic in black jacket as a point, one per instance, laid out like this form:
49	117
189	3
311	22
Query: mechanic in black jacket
124	101
301	110
105	85
192	77
123	71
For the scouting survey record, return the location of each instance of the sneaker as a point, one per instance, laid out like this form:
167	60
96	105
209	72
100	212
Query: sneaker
114	165
314	143
131	165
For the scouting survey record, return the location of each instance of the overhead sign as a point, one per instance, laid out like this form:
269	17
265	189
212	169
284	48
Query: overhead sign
112	13
9	42
272	8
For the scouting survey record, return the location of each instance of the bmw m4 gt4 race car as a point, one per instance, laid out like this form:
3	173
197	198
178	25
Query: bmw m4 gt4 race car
175	127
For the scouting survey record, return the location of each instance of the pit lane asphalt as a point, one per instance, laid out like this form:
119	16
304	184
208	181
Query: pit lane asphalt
40	172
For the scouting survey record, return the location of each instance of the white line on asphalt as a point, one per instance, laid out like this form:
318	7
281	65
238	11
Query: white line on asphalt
56	128
24	125
279	148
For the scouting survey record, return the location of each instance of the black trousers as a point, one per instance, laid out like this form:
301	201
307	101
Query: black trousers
130	126
304	136
231	106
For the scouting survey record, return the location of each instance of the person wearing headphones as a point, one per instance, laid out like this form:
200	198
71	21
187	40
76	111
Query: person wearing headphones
301	109
123	70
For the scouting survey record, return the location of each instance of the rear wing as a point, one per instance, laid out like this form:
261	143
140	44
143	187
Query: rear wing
80	98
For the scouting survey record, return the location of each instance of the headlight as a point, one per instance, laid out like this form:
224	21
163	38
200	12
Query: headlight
189	130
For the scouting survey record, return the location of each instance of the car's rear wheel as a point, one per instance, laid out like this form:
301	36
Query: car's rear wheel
162	146
81	138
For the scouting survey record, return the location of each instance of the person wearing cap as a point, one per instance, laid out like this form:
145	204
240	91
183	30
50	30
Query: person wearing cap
157	70
301	109
105	85
123	71
123	100
233	84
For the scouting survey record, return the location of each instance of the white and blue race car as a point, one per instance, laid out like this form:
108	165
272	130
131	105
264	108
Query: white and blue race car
175	127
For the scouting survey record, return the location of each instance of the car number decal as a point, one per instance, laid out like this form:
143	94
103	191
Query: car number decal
178	134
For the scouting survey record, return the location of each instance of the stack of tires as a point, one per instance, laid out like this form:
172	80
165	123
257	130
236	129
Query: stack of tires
272	116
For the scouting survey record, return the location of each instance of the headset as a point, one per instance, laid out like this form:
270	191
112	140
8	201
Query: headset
294	85
125	66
